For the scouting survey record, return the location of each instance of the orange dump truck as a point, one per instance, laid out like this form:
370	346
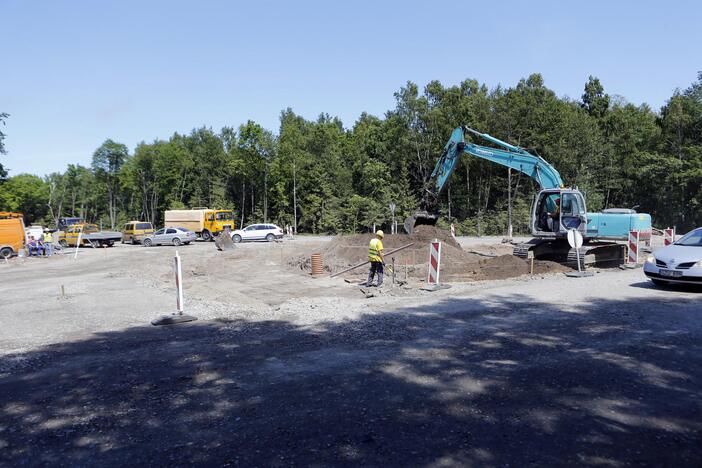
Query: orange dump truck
12	235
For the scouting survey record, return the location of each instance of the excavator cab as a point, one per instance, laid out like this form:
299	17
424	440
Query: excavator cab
555	211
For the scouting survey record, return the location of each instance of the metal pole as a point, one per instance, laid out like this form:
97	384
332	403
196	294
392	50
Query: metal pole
368	261
577	255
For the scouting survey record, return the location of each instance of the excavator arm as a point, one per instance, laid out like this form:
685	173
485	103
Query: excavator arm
507	155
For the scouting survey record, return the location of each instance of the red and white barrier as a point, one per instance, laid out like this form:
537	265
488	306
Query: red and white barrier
179	283
645	237
434	262
633	245
668	236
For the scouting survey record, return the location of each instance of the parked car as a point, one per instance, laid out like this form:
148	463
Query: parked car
258	232
169	236
135	231
679	262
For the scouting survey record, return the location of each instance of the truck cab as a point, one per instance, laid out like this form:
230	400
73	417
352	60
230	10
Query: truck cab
217	221
557	210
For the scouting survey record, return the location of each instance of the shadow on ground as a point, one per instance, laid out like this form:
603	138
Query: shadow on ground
491	382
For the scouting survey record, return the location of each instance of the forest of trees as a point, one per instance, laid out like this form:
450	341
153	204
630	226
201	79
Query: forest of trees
326	178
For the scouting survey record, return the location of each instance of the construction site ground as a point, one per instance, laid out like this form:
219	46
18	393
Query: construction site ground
285	369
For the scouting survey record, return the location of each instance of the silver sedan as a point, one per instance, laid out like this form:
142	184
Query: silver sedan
169	236
680	262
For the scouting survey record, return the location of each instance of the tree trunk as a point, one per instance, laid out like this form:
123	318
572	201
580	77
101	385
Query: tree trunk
243	201
265	196
509	202
294	197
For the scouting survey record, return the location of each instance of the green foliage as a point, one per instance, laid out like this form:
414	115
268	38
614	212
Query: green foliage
321	177
27	194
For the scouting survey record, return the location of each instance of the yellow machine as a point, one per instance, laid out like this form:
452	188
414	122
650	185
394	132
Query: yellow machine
12	234
204	222
135	231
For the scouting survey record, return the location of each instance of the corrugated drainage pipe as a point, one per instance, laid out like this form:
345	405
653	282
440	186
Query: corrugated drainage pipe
317	264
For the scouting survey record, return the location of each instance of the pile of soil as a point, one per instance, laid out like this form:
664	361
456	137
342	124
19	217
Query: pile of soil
456	264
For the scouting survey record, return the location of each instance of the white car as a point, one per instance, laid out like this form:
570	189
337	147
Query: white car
258	232
680	262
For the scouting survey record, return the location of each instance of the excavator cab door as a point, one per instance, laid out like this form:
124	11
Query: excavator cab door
573	211
555	211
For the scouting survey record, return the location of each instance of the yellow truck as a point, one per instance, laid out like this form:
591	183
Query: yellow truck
204	222
89	234
12	234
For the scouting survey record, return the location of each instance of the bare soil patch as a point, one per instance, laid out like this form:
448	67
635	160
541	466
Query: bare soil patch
457	264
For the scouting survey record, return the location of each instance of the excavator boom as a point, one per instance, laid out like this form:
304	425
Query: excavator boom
507	155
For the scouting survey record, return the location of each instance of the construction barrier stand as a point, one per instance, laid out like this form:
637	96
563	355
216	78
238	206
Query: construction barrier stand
668	236
434	262
633	244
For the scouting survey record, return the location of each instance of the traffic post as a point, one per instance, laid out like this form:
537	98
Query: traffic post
178	316
632	259
668	236
575	239
434	273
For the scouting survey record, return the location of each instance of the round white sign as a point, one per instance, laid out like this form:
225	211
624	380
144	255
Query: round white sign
575	239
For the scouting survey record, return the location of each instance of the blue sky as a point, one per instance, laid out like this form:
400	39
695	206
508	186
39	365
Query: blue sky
75	73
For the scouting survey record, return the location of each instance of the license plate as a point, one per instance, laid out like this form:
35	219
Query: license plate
671	273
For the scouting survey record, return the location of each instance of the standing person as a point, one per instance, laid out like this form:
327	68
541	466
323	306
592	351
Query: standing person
375	255
48	243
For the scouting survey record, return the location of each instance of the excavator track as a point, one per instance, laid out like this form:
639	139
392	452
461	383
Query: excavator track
601	254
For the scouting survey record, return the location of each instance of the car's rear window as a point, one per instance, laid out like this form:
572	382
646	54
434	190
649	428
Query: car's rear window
144	226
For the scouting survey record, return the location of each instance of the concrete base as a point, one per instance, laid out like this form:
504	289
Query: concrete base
435	287
172	319
579	274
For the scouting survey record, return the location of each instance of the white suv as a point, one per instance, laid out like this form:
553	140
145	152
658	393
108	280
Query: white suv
258	232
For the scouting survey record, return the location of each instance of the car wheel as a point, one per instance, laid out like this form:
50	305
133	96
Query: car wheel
147	242
236	238
176	241
122	241
206	235
133	241
110	243
6	252
270	237
63	243
658	282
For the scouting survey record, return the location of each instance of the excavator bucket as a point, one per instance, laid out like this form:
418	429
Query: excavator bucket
420	218
224	240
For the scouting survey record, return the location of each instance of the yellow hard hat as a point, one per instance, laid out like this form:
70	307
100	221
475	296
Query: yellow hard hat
379	233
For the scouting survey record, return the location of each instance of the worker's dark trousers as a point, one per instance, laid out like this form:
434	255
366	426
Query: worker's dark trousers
376	267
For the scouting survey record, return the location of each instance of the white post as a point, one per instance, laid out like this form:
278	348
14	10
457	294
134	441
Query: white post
179	284
80	237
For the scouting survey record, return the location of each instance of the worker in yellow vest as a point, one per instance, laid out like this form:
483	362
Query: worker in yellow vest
375	255
48	243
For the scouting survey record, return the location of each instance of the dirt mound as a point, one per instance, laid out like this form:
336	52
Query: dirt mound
456	264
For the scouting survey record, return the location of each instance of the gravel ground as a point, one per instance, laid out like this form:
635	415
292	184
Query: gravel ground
284	370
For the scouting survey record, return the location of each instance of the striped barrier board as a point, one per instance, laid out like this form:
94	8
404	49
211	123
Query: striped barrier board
633	244
668	236
645	237
434	262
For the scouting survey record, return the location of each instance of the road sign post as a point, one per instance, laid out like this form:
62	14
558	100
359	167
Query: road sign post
575	239
178	316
